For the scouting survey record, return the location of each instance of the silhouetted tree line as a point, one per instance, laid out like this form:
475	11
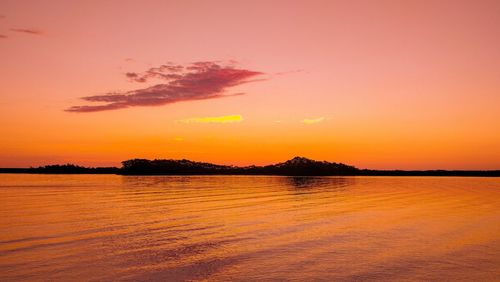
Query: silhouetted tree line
297	166
63	169
171	167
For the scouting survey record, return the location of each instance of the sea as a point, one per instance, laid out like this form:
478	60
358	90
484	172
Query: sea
248	228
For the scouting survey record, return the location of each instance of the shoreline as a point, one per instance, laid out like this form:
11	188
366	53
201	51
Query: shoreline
440	173
297	166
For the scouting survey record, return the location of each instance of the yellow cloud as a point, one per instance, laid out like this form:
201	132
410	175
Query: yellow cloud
221	119
178	139
313	120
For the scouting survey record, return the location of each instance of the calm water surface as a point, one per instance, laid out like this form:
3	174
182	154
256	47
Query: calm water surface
220	228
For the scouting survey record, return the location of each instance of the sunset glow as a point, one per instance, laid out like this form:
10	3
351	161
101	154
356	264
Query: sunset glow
222	119
374	84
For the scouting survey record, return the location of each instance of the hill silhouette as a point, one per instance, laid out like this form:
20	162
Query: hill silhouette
297	166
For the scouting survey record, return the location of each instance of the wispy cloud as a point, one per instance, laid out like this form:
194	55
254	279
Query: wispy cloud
3	36
221	119
313	120
27	31
168	71
197	81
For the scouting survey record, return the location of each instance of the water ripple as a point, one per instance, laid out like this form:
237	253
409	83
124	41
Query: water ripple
239	228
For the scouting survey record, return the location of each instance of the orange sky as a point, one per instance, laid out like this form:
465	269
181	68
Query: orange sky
378	84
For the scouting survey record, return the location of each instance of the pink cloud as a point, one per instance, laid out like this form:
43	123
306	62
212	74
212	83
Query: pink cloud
197	81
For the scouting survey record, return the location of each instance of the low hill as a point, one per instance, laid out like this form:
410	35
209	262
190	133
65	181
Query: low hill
295	166
298	166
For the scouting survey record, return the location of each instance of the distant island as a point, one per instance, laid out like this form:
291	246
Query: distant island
298	166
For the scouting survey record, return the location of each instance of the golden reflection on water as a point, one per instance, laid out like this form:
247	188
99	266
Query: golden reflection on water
177	228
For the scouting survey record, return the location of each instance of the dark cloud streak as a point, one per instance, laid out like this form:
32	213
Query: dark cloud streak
27	31
197	81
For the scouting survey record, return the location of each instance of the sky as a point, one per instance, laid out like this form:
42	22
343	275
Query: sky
374	84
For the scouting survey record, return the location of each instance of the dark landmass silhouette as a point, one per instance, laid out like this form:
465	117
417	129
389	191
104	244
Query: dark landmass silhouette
295	166
63	169
298	166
